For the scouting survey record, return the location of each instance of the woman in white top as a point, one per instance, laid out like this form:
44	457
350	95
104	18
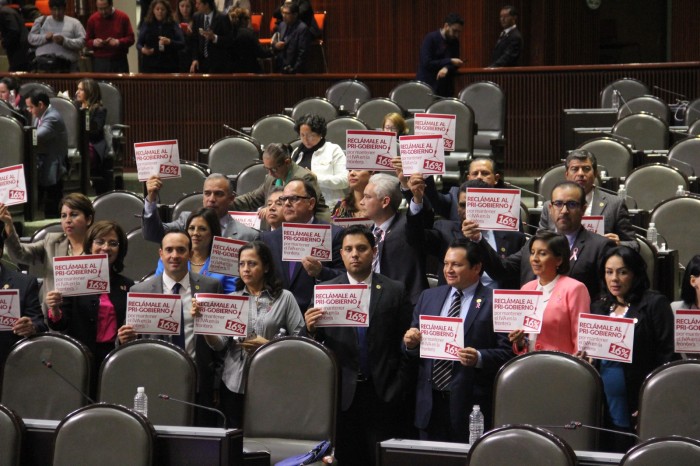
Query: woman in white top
325	159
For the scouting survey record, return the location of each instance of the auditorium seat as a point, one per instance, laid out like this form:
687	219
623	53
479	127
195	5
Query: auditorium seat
628	88
645	103
191	180
520	444
414	96
653	183
374	110
317	105
71	117
676	220
273	129
123	207
488	102
231	154
663	451
114	132
545	183
250	178
12	431
685	155
336	130
27	88
692	112
189	203
648	253
344	93
464	136
611	153
644	131
142	257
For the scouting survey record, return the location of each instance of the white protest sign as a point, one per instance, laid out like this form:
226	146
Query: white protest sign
517	310
441	337
494	209
306	239
160	314
594	224
224	255
346	222
436	123
422	154
13	187
249	219
604	337
222	314
160	158
687	331
369	150
9	309
343	305
79	275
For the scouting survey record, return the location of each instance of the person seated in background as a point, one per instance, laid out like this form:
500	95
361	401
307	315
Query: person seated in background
690	292
58	40
94	319
292	42
325	159
272	309
202	226
14	37
109	35
349	206
184	17
212	31
274	213
245	46
160	40
89	97
31	320
9	92
218	195
395	123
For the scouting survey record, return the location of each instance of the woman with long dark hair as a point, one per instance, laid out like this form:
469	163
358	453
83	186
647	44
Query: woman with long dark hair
160	39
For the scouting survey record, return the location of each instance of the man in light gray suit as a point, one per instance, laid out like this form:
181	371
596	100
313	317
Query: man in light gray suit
175	252
218	195
51	152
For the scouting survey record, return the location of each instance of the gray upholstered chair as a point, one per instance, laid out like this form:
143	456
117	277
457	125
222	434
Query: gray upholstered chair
316	105
677	222
488	101
336	130
250	178
663	451
645	103
692	113
668	401
629	88
648	253
373	111
106	435
114	132
549	179
685	155
415	96
613	154
520	444
298	376
159	367
142	258
548	388
124	207
653	183
344	93
34	378
71	117
11	434
644	131
191	180
232	154
273	128
464	137
189	203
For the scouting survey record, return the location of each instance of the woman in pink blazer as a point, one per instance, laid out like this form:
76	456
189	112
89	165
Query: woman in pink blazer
565	297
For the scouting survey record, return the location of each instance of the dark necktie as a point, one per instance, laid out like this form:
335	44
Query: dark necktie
442	369
379	242
206	41
179	340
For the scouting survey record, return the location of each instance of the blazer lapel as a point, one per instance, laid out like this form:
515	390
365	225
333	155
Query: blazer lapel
478	300
577	250
599	201
375	295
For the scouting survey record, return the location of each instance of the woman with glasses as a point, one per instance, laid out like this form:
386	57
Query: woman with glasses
94	319
564	298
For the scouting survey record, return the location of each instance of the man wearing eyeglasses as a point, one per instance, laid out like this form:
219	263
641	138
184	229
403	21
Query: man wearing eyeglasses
587	248
582	168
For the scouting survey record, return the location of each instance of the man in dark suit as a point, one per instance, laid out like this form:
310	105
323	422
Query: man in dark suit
447	390
439	56
31	319
14	36
587	249
294	41
510	42
175	252
582	168
374	372
217	194
300	201
212	34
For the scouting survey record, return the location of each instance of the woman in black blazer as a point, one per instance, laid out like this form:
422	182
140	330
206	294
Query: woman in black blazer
94	319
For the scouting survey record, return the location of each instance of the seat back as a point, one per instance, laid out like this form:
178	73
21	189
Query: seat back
528	390
344	93
414	96
191	180
34	390
644	131
685	156
28	88
159	367
373	111
71	117
663	450
628	88
112	101
692	113
464	137
520	444
11	432
648	253
645	103
273	128
694	128
611	153
488	102
12	147
336	130
668	402
256	22
232	154
300	375
316	105
6	110
142	257
653	183
549	179
676	220
190	203
250	178
104	434
124	207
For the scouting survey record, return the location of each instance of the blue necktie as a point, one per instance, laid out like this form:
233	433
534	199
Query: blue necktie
179	340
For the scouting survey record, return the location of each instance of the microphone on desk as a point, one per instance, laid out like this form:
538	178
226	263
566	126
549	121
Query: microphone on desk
166	397
236	131
683	99
533	193
616	193
49	365
573	425
341	106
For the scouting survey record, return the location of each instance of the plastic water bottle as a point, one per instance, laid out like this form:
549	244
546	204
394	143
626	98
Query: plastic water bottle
652	234
476	424
280	334
141	401
356	107
622	192
680	191
616	99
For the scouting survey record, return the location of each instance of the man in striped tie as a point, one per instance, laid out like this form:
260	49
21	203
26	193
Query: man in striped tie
447	390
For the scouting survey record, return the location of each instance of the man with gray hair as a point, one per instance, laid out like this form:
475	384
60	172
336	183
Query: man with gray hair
218	194
400	253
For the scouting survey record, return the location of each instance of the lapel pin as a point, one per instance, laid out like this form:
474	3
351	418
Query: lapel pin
196	287
379	287
478	303
601	204
7	285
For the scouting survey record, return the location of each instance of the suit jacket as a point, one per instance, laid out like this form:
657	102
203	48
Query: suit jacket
507	50
14	39
615	217
469	385
297	40
301	284
389	318
154	230
219	60
29	306
52	148
436	53
206	359
590	249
